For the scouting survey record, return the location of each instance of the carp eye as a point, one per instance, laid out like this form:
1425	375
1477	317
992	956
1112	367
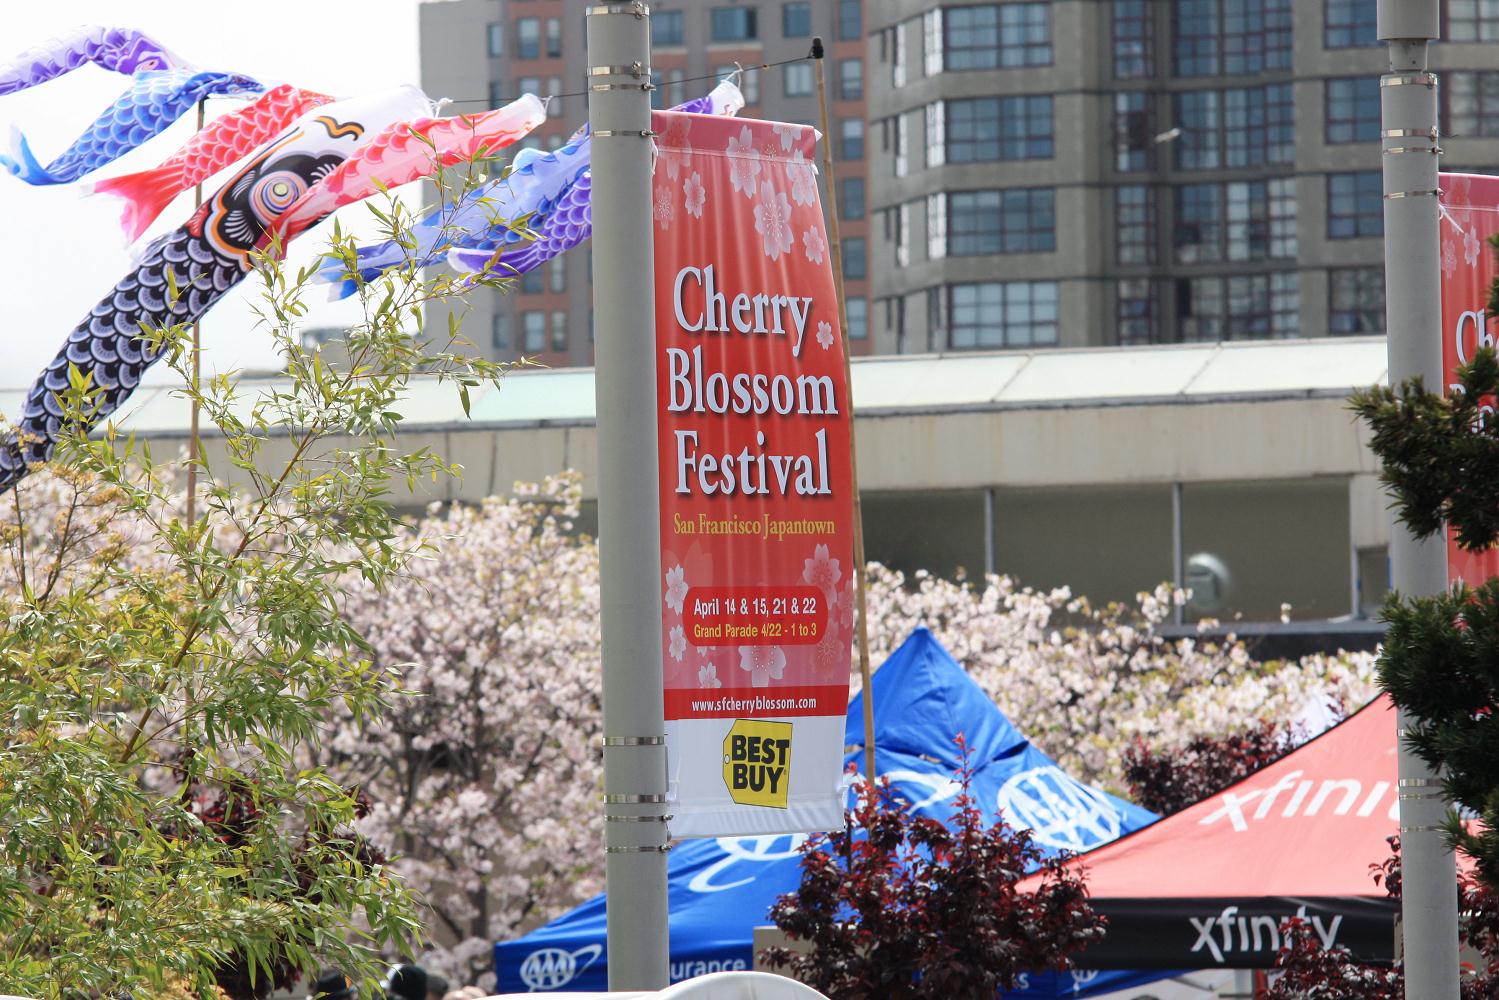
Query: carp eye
274	193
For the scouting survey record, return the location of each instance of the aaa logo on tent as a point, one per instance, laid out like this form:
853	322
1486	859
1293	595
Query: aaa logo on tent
1060	812
554	968
757	762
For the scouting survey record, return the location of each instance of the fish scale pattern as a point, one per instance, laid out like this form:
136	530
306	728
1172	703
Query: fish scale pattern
154	101
122	50
108	343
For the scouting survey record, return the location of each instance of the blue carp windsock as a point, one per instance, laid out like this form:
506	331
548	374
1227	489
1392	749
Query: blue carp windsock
536	186
123	50
568	222
154	101
206	258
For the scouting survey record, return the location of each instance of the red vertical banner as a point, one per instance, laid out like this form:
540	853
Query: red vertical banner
756	485
1470	216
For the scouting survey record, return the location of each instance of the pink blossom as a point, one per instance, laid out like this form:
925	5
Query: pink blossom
789	134
821	571
707	676
665	209
678	644
815	245
762	663
744	162
803	179
696	195
676	588
773	221
825	334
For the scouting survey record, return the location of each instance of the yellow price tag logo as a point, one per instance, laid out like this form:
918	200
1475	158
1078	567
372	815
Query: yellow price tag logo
757	762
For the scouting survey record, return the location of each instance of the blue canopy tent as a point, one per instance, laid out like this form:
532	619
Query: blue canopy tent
721	889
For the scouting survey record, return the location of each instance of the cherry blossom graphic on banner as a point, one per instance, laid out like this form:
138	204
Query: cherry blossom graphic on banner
756	484
1470	216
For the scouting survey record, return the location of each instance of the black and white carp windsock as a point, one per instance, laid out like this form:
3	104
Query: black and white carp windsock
206	257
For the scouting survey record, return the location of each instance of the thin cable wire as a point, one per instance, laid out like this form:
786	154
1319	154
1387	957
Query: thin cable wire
737	74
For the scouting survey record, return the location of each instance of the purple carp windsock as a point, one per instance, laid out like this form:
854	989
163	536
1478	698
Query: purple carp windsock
154	101
405	152
206	257
541	186
123	50
569	221
223	141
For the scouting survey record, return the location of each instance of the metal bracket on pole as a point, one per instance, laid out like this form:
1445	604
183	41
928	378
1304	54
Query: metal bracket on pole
1409	133
1431	150
1428	80
634	8
634	800
610	818
600	88
610	742
639	133
639	849
1397	195
634	69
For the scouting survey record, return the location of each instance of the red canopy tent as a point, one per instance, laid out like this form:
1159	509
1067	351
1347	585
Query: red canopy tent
1208	887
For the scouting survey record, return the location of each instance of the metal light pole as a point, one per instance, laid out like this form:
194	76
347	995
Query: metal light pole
635	838
1413	295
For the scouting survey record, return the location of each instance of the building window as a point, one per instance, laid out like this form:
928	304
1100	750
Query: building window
851	200
1134	39
497	93
1348	24
902	215
1355	205
855	267
557	270
1355	300
1135	311
850	20
1231	37
1472	21
991	36
797	79
1473	103
658	91
559	330
996	314
993	128
1239	307
1134	141
858	317
898	56
499	331
496	40
554	37
1352	109
1134	222
851	79
796	19
528	85
734	24
534	329
528	38
1241	127
1016	220
676	87
555	105
533	282
666	27
1198	236
1282	194
749	81
851	139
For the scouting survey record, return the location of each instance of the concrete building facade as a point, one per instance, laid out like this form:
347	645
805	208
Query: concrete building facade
1079	172
481	53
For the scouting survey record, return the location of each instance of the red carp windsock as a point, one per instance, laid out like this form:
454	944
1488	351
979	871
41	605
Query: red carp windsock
224	141
202	259
405	152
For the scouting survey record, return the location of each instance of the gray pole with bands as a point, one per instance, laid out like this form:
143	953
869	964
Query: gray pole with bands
635	837
1413	296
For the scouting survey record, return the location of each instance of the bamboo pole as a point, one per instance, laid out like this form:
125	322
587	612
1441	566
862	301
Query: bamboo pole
836	245
192	435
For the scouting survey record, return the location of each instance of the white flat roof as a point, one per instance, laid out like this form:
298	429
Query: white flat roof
908	384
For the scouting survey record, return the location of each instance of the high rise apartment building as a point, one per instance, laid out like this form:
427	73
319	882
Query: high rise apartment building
1087	172
492	50
1031	174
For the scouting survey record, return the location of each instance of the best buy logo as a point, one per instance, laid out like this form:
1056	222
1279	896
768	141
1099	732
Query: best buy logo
757	762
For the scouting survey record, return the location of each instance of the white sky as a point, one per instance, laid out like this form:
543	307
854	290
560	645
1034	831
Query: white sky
60	252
